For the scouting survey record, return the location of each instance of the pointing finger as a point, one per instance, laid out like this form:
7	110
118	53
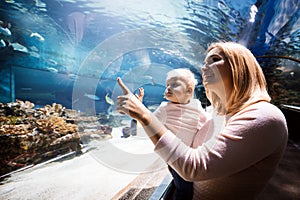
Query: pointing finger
123	86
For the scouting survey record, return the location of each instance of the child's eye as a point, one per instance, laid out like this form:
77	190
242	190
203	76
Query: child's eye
173	85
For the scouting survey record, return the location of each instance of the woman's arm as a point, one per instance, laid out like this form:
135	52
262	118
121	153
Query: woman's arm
248	139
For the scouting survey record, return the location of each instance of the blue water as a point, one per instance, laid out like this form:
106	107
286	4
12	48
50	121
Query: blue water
71	52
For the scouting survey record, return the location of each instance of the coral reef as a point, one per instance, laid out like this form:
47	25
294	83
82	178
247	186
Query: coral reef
30	136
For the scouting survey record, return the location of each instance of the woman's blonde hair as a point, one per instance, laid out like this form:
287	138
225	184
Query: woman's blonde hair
249	83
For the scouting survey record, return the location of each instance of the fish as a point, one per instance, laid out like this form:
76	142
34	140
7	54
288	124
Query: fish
34	54
52	69
5	31
92	96
72	76
109	100
18	47
53	62
147	77
38	36
26	89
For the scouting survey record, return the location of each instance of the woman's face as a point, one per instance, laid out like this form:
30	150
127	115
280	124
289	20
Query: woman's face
216	72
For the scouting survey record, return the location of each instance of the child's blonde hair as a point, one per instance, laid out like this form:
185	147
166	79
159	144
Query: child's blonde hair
185	75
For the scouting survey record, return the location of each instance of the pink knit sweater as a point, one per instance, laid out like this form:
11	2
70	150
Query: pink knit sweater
235	163
184	120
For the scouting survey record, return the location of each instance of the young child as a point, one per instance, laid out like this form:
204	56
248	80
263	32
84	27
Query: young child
183	115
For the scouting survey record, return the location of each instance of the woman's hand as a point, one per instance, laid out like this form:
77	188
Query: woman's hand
130	105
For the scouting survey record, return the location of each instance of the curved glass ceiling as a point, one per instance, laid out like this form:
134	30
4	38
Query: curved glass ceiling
71	43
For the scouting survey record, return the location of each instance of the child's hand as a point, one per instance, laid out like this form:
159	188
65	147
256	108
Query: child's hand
141	94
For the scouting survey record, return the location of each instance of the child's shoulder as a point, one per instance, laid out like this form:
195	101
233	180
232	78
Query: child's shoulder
195	102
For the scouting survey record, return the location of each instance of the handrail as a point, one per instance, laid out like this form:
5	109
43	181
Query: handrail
279	56
291	107
163	190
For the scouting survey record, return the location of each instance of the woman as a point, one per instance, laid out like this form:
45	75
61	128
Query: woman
237	162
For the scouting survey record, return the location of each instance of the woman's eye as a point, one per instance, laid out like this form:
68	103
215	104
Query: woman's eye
216	59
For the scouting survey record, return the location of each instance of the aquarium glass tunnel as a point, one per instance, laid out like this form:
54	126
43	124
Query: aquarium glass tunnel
59	61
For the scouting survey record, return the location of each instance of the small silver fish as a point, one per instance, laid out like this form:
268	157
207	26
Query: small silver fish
38	36
53	62
18	47
72	76
26	89
91	96
51	69
147	77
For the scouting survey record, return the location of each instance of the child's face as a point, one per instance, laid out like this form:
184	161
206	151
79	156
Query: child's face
177	90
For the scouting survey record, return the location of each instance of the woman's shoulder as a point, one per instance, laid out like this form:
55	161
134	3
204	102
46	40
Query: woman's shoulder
259	119
265	108
262	112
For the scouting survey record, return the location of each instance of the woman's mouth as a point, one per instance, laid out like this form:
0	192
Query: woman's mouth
207	77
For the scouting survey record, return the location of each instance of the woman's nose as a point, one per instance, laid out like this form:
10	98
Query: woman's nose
204	67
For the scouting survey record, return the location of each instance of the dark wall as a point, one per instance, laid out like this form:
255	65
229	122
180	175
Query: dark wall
293	121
